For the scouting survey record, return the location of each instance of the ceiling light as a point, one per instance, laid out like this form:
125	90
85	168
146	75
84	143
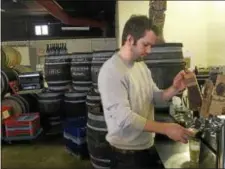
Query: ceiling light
75	28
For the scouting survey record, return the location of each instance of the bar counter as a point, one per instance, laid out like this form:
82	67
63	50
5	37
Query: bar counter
175	154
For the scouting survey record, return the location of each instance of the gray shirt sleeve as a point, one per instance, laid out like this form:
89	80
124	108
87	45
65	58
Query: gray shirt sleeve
114	95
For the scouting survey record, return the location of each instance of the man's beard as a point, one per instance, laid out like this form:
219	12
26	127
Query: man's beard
139	59
136	56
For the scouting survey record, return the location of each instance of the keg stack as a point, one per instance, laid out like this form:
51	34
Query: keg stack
165	61
51	100
51	108
74	124
75	114
99	57
98	147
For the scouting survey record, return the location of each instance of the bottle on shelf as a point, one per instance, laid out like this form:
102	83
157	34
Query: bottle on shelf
65	48
51	49
61	49
47	49
56	49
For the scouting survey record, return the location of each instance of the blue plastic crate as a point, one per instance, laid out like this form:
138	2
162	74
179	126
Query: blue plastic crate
76	127
75	140
75	149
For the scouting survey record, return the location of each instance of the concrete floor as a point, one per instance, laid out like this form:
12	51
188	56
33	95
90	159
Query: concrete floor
40	155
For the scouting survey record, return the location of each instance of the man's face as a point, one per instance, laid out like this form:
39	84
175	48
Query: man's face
144	45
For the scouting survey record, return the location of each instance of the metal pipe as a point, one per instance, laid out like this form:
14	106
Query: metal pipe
221	147
55	10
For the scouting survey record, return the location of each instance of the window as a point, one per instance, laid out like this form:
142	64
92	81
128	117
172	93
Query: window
41	30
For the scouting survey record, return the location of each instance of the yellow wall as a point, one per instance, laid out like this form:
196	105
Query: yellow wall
124	10
199	25
185	22
216	33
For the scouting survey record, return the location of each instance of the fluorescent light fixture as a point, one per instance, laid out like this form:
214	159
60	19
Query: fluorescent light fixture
41	30
2	10
44	30
75	28
37	30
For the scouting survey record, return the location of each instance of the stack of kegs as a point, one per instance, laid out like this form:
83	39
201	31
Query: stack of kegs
99	57
74	125
72	89
51	110
98	147
75	114
58	78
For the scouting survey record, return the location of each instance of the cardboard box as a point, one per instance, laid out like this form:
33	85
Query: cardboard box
217	106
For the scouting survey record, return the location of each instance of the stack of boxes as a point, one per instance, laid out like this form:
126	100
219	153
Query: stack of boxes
22	127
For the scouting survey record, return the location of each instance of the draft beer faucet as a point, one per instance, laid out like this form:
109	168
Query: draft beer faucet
215	125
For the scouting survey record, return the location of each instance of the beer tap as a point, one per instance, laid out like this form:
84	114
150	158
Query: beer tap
215	125
212	124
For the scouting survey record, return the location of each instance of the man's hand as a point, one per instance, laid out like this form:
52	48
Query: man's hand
172	130
177	86
177	132
178	81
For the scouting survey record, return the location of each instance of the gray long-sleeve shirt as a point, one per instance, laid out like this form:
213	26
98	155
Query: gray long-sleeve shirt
127	92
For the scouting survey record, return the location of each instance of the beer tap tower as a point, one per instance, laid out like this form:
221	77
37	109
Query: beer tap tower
211	122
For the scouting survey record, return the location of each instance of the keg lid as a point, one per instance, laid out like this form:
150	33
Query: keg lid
77	53
168	45
100	51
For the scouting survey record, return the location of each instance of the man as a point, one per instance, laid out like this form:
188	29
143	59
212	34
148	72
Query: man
128	92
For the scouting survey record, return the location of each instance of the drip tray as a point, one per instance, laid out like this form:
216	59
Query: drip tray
180	160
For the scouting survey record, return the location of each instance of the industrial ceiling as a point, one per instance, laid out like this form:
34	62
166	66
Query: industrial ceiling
71	12
95	14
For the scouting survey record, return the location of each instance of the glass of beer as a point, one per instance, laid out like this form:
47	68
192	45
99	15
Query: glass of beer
194	150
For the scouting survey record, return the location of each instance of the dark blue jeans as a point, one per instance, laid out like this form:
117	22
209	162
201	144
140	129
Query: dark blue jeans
141	159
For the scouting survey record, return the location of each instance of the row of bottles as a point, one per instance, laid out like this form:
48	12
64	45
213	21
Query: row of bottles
56	49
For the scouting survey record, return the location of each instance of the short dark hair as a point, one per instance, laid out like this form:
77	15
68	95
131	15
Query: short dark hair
136	26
